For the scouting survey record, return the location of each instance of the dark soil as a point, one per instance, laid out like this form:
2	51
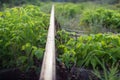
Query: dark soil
16	74
62	73
74	74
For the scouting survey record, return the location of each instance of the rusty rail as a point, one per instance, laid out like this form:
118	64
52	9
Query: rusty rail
48	71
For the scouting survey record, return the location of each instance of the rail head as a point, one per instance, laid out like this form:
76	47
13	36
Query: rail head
48	71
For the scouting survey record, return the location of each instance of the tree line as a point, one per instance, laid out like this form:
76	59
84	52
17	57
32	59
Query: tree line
75	1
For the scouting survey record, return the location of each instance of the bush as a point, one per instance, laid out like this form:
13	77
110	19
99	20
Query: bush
88	50
106	18
23	33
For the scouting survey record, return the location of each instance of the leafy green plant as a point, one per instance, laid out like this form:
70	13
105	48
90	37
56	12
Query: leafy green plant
88	48
101	17
23	32
107	74
102	46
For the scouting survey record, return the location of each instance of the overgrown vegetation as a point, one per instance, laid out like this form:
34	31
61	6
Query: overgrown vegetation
23	33
98	51
93	18
101	18
89	51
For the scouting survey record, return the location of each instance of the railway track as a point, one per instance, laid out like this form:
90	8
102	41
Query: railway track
48	71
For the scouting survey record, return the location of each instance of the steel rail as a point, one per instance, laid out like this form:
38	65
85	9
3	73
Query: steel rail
48	71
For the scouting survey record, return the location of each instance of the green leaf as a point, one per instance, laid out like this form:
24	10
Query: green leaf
39	53
21	60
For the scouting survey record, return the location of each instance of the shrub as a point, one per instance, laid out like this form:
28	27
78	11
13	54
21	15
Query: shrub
23	33
106	18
